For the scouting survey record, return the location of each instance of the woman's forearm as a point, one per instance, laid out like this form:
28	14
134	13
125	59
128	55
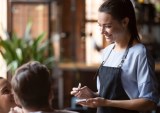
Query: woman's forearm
134	104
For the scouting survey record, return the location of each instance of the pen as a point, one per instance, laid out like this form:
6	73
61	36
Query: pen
79	86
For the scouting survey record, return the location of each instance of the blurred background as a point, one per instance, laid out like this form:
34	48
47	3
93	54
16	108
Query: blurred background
64	35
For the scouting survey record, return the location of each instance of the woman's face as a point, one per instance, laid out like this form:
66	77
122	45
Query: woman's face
6	97
112	29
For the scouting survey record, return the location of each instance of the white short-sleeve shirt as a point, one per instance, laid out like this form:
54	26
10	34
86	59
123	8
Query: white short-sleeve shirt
138	76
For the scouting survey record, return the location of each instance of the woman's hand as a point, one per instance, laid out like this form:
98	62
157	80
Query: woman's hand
83	92
94	102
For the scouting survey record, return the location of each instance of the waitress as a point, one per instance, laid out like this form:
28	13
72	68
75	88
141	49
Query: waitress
126	80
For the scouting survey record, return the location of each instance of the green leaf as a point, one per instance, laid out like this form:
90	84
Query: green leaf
19	50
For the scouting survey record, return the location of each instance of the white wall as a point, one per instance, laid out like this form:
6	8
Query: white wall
3	26
3	17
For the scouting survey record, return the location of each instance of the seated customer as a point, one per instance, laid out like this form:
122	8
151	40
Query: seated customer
6	97
32	89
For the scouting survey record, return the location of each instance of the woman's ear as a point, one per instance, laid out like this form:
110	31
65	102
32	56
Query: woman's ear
125	22
16	99
51	97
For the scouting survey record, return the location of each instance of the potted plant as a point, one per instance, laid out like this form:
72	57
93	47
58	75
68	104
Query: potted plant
17	51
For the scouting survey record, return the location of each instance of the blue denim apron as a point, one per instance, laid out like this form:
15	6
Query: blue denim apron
111	86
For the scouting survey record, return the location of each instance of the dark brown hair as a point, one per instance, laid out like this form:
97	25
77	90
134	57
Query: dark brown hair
120	9
1	78
32	84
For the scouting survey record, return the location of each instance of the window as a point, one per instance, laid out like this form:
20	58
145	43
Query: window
94	40
36	12
3	29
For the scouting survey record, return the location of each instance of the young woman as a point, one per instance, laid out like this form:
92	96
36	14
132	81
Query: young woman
126	81
6	97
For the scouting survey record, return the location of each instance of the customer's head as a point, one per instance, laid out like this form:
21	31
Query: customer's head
32	85
121	10
6	97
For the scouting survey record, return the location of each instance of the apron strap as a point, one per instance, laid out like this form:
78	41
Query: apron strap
123	58
126	52
103	62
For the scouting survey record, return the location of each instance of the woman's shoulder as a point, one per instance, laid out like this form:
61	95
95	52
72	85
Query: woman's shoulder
138	48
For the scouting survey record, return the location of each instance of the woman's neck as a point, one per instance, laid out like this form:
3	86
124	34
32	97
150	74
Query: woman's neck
122	46
122	42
